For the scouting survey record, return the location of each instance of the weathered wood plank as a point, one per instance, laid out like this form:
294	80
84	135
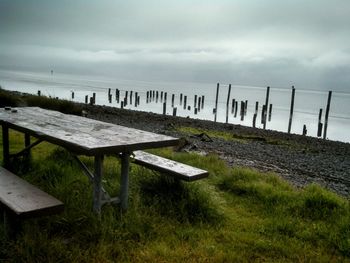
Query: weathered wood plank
79	134
24	199
176	169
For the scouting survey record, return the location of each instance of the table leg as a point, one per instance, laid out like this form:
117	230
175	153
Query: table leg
124	187
5	146
26	144
98	184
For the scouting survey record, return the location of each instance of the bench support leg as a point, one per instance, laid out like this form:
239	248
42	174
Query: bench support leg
124	187
98	184
27	144
11	225
6	146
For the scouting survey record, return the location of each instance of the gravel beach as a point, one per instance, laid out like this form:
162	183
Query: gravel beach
299	159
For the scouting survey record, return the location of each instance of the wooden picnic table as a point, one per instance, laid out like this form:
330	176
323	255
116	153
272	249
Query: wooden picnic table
82	136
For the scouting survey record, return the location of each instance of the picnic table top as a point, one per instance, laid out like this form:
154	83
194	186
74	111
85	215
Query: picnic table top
79	134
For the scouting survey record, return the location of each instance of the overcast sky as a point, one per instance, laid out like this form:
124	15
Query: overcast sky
272	42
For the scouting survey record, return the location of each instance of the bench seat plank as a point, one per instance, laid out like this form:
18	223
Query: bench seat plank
176	169
24	199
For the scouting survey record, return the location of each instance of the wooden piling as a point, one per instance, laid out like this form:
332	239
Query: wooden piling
157	95
242	110
202	102
327	114
199	103
174	111
110	98
117	95
131	97
233	106
304	130
195	101
39	93
291	110
254	119
228	101
72	95
216	101
165	96
164	108
122	104
245	107
94	98
136	96
185	102
181	99
236	108
320	125
172	100
263	114
256	107
266	105
86	99
270	112
161	96
195	111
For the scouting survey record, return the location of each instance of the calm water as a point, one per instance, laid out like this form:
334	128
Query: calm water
306	108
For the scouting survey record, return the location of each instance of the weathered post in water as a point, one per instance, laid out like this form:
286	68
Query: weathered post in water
164	108
304	130
254	119
172	100
228	101
320	125
185	102
216	101
291	110
270	112
327	114
233	106
266	105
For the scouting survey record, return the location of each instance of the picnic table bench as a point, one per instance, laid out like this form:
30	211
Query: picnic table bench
176	169
21	200
84	136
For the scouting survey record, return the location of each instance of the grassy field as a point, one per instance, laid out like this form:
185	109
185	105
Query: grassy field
235	215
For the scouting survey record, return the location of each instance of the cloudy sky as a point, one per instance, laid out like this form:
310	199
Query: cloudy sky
305	43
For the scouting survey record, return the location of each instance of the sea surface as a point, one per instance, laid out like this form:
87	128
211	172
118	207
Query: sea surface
306	108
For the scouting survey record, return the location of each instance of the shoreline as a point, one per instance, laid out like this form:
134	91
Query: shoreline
299	159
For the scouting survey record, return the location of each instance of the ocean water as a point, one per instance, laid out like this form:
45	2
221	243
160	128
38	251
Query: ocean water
306	107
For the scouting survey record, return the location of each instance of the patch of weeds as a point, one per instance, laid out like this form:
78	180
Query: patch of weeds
178	200
63	106
320	204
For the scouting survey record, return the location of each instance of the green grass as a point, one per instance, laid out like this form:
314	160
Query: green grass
236	215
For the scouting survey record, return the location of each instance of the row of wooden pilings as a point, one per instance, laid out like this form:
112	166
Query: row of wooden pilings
152	96
160	96
266	111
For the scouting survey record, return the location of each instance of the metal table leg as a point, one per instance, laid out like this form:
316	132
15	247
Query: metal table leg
5	146
98	184
124	187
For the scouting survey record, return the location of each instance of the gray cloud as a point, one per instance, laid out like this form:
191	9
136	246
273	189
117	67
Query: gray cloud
252	42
